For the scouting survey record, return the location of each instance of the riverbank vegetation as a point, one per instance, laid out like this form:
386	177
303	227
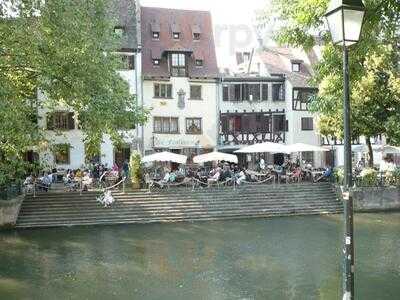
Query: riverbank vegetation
61	52
374	66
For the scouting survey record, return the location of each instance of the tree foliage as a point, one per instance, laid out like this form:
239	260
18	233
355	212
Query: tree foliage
373	63
63	48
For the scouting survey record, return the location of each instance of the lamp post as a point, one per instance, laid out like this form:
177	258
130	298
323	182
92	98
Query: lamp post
345	19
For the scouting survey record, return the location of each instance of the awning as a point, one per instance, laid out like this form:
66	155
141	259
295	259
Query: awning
165	157
215	156
266	147
301	147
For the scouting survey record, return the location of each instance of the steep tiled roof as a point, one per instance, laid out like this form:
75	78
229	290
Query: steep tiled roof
278	61
123	13
187	22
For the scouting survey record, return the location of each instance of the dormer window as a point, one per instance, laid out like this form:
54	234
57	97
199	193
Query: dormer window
119	31
178	65
176	31
156	62
295	67
196	30
199	62
155	30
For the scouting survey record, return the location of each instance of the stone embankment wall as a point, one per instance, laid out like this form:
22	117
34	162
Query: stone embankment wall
376	199
9	210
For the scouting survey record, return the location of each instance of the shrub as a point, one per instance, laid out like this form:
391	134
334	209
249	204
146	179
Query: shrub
135	168
369	177
338	174
393	177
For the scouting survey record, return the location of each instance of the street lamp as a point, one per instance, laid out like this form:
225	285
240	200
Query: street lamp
345	19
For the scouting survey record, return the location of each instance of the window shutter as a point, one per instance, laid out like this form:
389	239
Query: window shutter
169	90
50	121
71	121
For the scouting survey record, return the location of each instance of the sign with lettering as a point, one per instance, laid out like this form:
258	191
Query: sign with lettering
177	142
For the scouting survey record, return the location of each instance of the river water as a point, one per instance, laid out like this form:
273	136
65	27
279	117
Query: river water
278	258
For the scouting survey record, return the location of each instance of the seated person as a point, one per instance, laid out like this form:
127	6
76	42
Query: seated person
296	175
325	176
215	178
86	181
29	183
167	177
241	177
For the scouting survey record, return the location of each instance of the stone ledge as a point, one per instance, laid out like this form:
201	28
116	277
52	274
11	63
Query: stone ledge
9	210
374	199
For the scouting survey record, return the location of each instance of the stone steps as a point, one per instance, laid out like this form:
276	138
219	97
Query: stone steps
186	209
174	205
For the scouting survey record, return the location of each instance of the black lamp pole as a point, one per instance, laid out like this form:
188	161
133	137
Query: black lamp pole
348	250
345	19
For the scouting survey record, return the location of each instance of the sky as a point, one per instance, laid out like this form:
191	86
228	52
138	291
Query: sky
232	19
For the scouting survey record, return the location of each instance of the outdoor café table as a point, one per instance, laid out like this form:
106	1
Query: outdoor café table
259	176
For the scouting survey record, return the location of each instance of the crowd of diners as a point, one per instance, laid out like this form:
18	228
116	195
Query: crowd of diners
77	179
232	174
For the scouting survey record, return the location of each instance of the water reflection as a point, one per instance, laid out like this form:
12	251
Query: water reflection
282	258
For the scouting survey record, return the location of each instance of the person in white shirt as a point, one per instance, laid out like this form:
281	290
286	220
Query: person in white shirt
383	166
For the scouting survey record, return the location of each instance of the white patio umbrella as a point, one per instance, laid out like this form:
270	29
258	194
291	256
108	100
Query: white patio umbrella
215	156
165	157
386	149
301	147
266	147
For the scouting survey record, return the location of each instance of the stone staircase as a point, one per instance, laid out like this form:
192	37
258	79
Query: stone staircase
179	204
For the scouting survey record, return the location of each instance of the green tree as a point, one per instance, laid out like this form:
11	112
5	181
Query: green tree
374	66
63	48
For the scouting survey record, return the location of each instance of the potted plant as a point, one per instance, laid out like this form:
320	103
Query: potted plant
135	169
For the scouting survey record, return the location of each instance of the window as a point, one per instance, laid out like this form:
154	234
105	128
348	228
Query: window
245	92
278	92
165	125
156	35
307	124
246	56
308	157
162	90
225	93
176	35
196	36
119	31
178	65
265	92
60	121
199	62
295	67
61	154
195	92
279	123
254	92
156	62
193	126
128	62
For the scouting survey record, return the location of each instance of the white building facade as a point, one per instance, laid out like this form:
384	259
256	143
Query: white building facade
180	81
266	99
